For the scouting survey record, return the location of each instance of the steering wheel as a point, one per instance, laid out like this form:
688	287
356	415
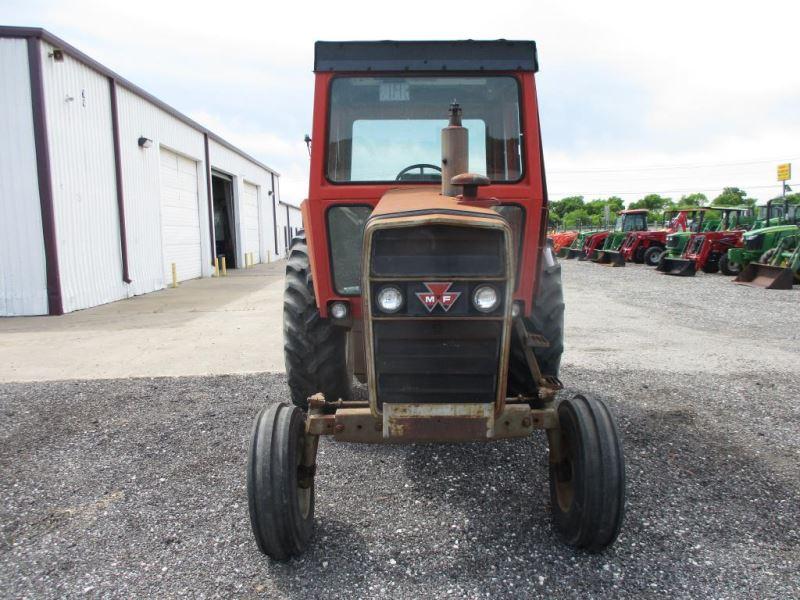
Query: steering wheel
418	177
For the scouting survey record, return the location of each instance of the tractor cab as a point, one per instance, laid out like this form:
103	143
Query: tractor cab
631	220
423	271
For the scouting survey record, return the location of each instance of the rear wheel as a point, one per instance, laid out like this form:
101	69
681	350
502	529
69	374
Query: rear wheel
547	320
314	349
280	493
652	255
728	267
587	483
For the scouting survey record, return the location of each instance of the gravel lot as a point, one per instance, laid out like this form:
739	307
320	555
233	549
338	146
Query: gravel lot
135	487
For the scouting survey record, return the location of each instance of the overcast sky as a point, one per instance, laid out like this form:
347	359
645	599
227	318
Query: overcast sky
635	97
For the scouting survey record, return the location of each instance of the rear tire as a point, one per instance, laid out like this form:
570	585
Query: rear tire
314	349
587	487
652	255
281	511
726	267
547	320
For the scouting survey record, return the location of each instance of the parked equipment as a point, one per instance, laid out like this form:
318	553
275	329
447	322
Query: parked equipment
705	250
648	246
562	241
778	269
609	241
576	248
432	284
757	242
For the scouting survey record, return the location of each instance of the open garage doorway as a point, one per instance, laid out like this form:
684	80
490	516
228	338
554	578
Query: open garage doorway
224	218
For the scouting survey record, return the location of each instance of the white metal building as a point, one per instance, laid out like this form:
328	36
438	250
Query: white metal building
103	187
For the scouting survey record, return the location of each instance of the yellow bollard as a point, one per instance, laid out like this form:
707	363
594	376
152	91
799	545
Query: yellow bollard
174	275
269	258
247	263
216	266
224	267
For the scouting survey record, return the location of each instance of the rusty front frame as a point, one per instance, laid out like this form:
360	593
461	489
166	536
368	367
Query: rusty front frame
355	422
475	220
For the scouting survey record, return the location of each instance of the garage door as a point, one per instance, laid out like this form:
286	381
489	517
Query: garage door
250	221
180	216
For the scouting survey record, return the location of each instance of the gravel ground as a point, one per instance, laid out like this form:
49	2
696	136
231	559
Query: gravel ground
135	488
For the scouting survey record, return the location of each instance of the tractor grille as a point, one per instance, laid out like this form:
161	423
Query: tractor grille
696	245
447	352
436	361
754	242
672	242
437	251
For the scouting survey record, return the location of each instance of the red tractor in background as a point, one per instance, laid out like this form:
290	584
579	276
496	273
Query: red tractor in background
627	221
648	246
708	250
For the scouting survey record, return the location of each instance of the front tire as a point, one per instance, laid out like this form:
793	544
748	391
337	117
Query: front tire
652	255
727	267
587	486
280	497
315	351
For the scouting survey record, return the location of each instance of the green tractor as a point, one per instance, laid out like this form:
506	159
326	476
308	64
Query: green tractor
757	242
676	242
627	221
778	268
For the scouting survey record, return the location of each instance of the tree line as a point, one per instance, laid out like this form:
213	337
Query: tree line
574	211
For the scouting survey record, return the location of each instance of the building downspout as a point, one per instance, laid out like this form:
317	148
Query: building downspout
123	236
55	303
210	201
274	214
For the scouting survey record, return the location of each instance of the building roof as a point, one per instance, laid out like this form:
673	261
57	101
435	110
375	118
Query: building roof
438	56
69	50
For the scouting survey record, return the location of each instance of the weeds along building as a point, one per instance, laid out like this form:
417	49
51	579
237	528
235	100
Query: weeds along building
103	187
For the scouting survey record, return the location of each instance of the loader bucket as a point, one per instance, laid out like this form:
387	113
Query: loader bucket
585	256
766	276
602	257
574	252
562	252
682	267
615	258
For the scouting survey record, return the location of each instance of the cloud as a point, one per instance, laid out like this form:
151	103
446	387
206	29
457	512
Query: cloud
623	84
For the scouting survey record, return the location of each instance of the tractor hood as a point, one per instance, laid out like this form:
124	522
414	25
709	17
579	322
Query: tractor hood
425	201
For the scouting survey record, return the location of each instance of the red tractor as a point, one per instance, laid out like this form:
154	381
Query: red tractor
424	272
648	246
708	250
598	243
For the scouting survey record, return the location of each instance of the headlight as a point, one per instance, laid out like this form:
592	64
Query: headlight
485	298
338	310
390	299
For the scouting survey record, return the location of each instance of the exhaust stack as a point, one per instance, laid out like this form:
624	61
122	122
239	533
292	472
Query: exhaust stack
455	151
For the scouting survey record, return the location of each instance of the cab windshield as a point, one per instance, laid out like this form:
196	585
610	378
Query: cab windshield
631	222
385	129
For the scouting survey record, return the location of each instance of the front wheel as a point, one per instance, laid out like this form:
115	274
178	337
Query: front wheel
652	255
280	489
587	475
728	267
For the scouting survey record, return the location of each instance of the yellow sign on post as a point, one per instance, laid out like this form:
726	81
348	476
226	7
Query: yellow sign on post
785	172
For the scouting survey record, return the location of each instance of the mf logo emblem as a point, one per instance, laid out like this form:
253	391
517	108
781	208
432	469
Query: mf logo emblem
438	293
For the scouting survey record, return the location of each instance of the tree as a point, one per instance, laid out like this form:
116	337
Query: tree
693	200
733	196
578	216
652	202
565	205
